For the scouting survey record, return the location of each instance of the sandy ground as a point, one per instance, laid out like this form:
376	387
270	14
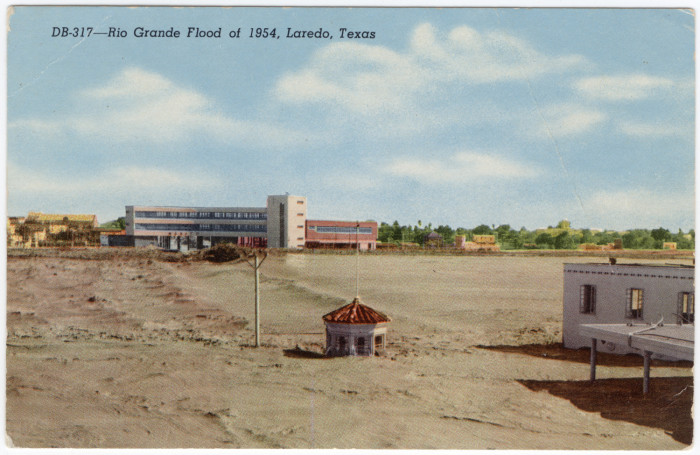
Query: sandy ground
134	352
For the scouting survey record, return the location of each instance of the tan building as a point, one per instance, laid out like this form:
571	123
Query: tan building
41	229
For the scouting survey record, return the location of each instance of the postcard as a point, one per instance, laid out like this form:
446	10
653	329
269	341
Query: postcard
350	227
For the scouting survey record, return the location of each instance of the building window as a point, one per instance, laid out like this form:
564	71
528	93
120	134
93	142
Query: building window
635	303
300	202
341	230
361	349
379	342
342	342
686	308
587	303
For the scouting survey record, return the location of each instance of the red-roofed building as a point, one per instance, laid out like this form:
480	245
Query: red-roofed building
355	329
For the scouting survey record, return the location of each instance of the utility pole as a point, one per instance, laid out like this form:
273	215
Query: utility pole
357	265
256	266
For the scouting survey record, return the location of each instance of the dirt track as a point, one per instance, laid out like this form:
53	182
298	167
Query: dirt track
131	351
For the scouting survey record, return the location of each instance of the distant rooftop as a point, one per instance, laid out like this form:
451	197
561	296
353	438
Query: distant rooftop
628	264
58	218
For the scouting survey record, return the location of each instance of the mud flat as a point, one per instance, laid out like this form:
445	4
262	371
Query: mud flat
133	350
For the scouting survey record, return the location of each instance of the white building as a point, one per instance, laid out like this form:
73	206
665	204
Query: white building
604	293
282	224
355	329
286	221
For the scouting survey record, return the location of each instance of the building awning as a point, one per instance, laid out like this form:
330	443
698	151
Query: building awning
671	340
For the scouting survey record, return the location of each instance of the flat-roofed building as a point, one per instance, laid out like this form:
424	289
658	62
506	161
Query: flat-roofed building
341	234
185	228
606	293
281	224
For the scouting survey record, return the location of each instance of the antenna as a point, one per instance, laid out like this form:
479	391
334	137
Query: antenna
357	265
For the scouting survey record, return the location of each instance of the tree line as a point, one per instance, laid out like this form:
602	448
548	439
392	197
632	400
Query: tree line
559	237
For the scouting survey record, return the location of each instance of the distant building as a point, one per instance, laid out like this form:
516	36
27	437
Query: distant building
41	229
60	223
606	293
279	225
14	231
341	234
355	329
114	237
480	242
432	240
615	245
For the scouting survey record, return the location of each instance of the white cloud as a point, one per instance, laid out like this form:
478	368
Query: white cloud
567	120
462	167
651	130
129	179
622	88
43	127
370	79
489	57
351	181
138	105
638	207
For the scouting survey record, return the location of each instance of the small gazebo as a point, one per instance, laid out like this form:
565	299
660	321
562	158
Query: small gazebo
355	329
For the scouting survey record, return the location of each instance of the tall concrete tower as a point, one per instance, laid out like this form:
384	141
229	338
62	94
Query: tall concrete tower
286	221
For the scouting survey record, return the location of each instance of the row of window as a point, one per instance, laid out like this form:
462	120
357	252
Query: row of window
634	308
203	215
340	230
644	275
202	227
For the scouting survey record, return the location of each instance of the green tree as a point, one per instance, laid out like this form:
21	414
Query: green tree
564	224
447	233
544	240
482	229
564	241
660	234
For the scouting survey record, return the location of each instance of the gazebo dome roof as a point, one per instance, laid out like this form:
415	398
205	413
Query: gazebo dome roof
356	313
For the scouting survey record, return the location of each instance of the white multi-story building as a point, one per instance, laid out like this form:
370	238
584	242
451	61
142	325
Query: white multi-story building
606	293
286	221
279	225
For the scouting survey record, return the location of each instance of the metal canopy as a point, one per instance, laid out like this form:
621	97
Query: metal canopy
671	340
677	341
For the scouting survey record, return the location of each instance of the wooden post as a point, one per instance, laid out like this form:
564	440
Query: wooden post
647	364
594	355
256	266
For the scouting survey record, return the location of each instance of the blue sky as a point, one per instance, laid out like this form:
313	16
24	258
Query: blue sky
451	116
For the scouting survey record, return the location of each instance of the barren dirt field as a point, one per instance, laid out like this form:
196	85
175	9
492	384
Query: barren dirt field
116	350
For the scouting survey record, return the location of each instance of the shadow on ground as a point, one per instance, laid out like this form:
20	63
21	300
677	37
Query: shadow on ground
299	353
557	351
668	405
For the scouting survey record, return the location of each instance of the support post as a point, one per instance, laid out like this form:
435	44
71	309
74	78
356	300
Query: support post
256	265
647	365
594	357
257	303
